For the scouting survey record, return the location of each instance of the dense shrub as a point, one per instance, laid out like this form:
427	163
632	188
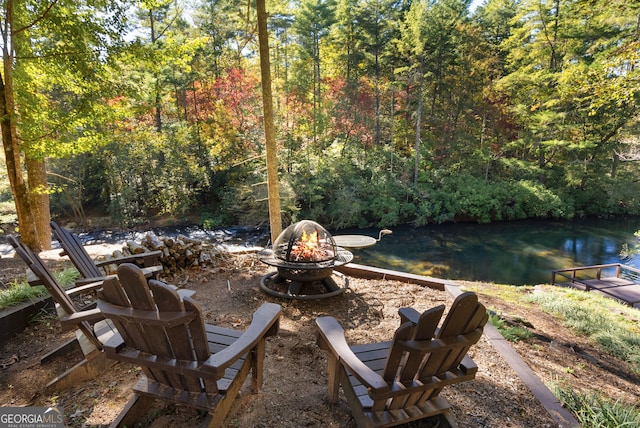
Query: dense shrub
149	173
464	197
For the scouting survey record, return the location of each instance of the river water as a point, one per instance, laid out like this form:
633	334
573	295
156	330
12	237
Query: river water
519	253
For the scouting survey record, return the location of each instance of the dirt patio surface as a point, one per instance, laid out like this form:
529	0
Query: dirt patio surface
295	378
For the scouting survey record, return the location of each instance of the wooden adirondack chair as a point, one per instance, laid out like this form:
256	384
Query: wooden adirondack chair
396	382
91	327
89	269
184	360
76	308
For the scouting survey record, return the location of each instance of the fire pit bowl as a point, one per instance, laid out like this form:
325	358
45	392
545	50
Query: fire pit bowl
305	255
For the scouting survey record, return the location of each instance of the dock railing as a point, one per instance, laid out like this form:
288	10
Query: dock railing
584	273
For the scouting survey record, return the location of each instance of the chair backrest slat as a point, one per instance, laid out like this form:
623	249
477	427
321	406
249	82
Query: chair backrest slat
404	365
424	331
76	252
178	337
466	317
152	339
477	318
197	330
135	285
112	292
188	340
458	320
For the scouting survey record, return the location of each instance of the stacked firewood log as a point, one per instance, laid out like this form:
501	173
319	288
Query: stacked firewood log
177	253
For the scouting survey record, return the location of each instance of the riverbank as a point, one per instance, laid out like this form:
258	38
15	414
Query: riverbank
519	252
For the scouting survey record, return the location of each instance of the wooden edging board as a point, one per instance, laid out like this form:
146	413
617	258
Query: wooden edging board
15	319
549	401
370	272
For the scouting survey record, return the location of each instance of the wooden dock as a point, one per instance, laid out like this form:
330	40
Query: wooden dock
615	280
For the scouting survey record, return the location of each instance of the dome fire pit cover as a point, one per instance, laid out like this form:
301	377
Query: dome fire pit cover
305	255
305	245
305	242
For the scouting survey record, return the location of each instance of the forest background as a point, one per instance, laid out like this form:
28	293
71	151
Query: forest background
386	111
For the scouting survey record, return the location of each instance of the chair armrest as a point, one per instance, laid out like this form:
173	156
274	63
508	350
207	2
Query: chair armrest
182	292
185	292
87	281
265	323
331	338
468	366
32	279
114	344
408	314
71	321
85	287
151	255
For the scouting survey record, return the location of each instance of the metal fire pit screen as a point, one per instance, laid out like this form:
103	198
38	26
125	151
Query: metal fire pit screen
305	255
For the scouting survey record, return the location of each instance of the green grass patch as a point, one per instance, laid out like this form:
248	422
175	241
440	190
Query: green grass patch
512	333
20	291
516	294
67	277
594	411
611	325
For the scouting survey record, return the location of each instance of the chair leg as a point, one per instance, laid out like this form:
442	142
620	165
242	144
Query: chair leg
136	409
218	416
333	377
258	366
93	364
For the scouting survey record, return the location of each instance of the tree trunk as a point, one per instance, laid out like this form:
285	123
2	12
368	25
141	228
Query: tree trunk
26	223
418	141
275	215
10	140
615	161
377	106
39	200
156	75
316	88
158	106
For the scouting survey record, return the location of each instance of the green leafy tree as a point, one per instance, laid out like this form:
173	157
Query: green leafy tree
313	21
361	54
167	50
494	21
344	55
573	81
430	41
495	18
55	61
534	66
378	26
231	30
